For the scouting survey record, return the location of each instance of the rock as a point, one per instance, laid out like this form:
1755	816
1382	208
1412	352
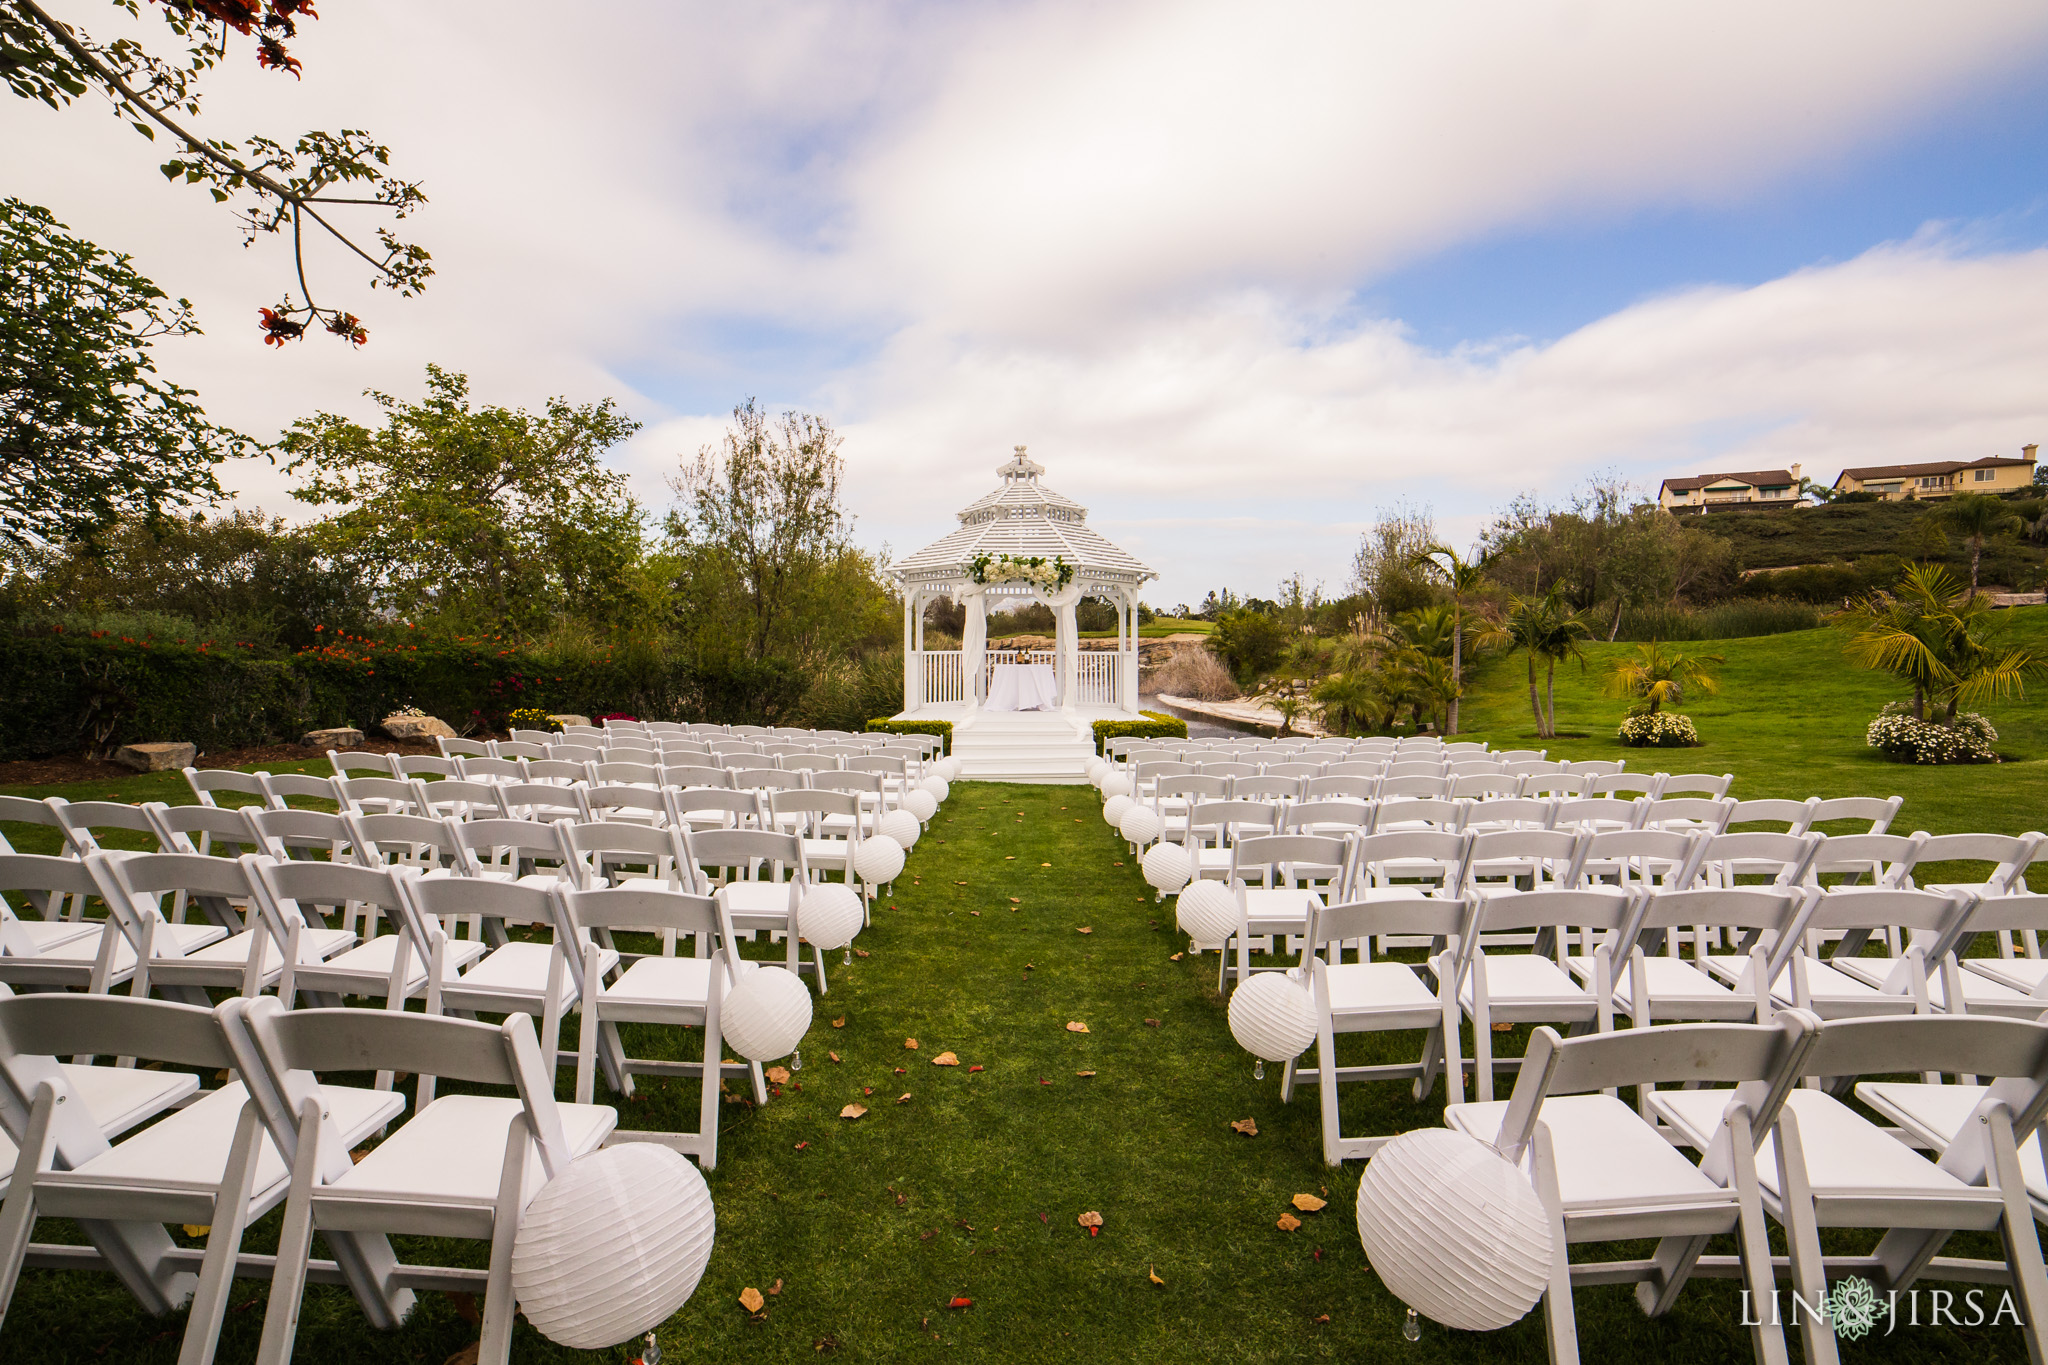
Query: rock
154	758
565	720
415	727
340	737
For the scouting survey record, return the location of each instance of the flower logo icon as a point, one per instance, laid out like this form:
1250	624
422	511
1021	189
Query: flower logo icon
1853	1307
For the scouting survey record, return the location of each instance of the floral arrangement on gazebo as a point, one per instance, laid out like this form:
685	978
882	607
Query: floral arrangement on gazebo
1050	573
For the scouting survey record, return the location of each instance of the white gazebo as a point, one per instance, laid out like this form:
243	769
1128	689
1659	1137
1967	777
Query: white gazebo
986	563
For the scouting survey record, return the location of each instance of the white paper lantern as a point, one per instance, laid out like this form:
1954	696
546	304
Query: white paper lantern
1207	912
1096	770
902	826
922	804
829	915
949	768
767	1014
1116	808
1168	867
1454	1230
1116	784
613	1246
1272	1017
878	859
1141	825
936	785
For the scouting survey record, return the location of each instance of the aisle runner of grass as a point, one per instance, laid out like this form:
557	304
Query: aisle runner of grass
972	1187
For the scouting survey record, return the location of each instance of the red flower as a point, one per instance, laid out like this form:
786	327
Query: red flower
347	325
287	7
236	14
278	329
270	54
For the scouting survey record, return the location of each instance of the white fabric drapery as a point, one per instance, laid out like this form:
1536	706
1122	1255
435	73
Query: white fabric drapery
974	640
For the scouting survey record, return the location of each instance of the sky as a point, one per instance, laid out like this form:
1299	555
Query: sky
1240	277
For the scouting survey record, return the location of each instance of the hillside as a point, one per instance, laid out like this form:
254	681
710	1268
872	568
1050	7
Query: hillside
1782	538
1789	721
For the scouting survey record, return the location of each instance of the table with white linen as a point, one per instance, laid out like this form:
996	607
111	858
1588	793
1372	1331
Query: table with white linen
1022	687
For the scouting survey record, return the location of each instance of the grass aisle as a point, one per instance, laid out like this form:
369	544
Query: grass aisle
972	1187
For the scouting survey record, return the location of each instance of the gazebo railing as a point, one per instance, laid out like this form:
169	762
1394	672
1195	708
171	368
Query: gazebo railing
943	680
1098	680
1097	674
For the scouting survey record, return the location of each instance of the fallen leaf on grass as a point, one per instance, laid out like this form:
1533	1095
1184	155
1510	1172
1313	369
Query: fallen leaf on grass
1092	1221
904	1098
860	952
825	1345
468	1355
1009	857
1044	1218
853	1111
1503	1028
1153	1275
198	1229
1287	1223
910	1043
867	1090
1151	1023
901	1071
961	1303
959	883
1176	957
975	913
775	1288
945	1059
1248	1127
833	1055
1043	1081
1308	1203
975	1068
1119	864
1076	1026
777	1074
1322	1317
801	1145
1015	901
1045	864
751	1300
1084	1073
1085	929
926	1236
840	1022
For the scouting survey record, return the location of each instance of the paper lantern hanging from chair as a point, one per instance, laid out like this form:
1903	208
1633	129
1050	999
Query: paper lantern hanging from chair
1207	912
1272	1017
937	786
948	768
1115	785
878	859
1141	825
1168	867
1116	808
902	826
766	1015
1454	1230
830	914
921	804
1096	770
613	1246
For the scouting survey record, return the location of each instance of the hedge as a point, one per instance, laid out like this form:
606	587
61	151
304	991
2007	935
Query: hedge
71	692
942	728
1158	726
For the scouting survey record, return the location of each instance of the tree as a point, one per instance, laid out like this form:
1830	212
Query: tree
1976	517
87	432
1545	628
1384	568
497	517
1251	642
1465	582
273	187
1656	679
1940	637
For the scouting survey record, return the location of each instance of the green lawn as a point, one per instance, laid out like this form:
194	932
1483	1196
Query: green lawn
971	1188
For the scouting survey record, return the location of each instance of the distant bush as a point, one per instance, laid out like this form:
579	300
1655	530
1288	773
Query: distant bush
1725	621
1195	673
1658	730
942	728
1156	725
1906	740
1828	584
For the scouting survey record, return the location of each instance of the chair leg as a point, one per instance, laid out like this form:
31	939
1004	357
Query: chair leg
495	1347
1560	1324
1802	1241
586	1054
294	1245
223	1242
1759	1275
18	1214
2022	1245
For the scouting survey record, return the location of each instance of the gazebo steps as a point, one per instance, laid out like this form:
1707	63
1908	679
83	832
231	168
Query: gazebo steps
1024	746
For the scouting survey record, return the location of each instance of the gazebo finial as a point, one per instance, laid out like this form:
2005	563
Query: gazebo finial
1020	466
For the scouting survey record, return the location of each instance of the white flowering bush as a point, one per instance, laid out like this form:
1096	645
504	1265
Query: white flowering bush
1658	730
1907	740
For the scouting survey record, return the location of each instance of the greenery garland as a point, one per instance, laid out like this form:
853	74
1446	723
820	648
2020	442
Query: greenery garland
1055	573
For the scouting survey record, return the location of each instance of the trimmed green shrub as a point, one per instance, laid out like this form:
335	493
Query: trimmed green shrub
1158	725
942	728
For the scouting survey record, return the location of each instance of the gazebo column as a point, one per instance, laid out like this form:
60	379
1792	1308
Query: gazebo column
913	649
1127	682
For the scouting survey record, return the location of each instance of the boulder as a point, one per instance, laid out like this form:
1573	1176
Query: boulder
416	727
154	758
567	720
340	737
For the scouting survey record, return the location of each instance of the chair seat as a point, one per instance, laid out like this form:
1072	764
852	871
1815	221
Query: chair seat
46	934
188	1151
1524	981
117	1098
449	1157
1982	995
315	945
2020	973
1279	909
1674	985
370	966
1934	1114
1850	1161
1608	1159
757	898
1837	995
1368	988
836	852
173	940
521	969
663	982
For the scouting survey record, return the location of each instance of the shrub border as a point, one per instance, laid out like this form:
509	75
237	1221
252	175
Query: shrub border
942	728
1159	726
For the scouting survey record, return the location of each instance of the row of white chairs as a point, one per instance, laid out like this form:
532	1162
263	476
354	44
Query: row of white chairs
1422	745
1166	781
617	765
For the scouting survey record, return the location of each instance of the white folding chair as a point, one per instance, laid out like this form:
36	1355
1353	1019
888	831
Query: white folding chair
1769	919
466	1166
1605	1174
829	826
393	968
1287	869
619	854
204	782
761	876
285	788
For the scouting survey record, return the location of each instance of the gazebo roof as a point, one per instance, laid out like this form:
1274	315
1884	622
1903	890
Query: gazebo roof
1023	518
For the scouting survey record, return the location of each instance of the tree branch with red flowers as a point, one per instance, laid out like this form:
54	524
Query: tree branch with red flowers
271	187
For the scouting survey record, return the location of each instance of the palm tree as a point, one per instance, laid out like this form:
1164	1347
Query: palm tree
1465	581
1940	637
1975	517
1657	679
1545	628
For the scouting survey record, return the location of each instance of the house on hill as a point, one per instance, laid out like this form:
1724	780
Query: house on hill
1703	492
1942	478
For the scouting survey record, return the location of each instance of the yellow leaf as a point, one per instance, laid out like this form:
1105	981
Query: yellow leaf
853	1111
1308	1203
779	1075
1045	864
903	1098
1248	1127
910	1044
1090	1219
1009	857
751	1300
1176	957
1076	1026
1153	1275
840	1022
945	1059
198	1229
1288	1222
833	1055
1084	1073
